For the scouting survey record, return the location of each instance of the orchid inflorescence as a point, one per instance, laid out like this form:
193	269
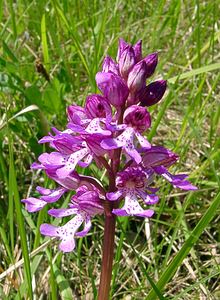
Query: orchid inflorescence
109	131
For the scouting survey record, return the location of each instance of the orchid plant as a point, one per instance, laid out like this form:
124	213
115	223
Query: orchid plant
110	132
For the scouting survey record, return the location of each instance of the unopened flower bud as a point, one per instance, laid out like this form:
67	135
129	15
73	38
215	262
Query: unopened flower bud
126	61
121	46
137	117
109	65
138	51
151	63
137	77
112	87
153	93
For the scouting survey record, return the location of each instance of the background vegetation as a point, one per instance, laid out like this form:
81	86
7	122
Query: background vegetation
176	256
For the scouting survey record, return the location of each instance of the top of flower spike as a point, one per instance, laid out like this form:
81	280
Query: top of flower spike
137	49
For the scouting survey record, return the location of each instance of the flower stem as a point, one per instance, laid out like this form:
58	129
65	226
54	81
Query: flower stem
107	258
110	220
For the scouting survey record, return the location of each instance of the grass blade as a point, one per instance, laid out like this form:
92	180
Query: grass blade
194	72
20	219
184	251
44	42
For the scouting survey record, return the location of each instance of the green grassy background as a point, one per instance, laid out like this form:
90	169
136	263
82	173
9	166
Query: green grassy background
181	258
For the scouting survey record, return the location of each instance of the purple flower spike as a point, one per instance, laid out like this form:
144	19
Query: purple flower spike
132	183
153	93
151	63
137	117
109	65
126	61
112	87
97	107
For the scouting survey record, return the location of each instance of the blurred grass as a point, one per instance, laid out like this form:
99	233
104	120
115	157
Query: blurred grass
71	38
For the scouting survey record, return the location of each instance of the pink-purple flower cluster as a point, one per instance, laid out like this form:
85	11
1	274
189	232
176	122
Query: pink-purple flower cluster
110	132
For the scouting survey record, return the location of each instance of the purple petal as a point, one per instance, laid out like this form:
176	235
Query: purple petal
143	141
33	204
43	191
137	77
37	166
149	199
132	207
62	212
86	229
121	46
138	50
54	196
95	128
67	244
175	180
124	140
66	233
49	230
113	196
158	156
151	63
71	182
71	163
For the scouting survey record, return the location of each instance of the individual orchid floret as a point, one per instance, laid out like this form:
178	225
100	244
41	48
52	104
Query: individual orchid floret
84	205
97	106
158	159
77	115
153	93
81	121
109	65
71	151
48	196
136	121
137	118
113	88
132	183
